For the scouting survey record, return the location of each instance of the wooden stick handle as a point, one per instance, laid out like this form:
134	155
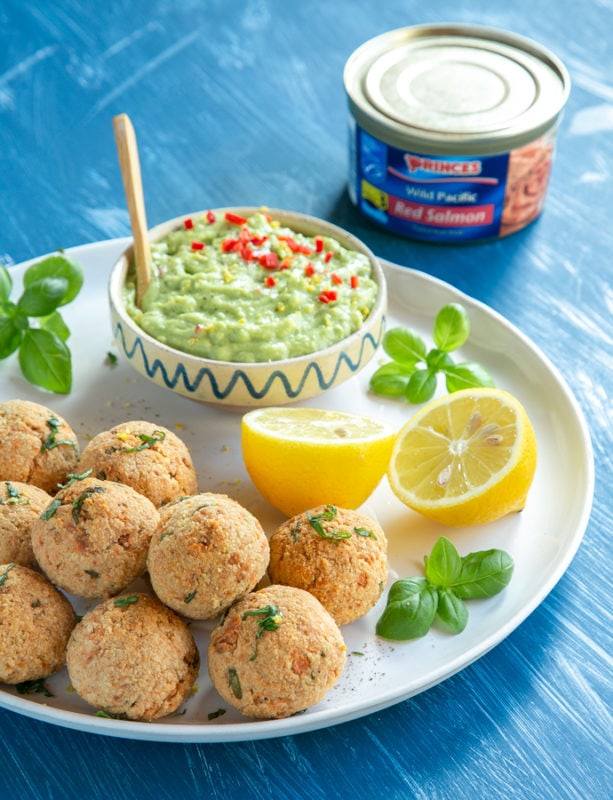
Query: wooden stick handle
129	164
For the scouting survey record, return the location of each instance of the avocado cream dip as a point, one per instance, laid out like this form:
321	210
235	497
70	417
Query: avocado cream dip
240	289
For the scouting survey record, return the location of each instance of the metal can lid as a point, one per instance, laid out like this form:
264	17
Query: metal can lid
456	85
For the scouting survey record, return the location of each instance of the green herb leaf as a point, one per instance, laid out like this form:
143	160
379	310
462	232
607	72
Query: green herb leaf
438	360
42	297
35	686
57	266
10	336
404	346
391	380
126	600
235	683
5	574
410	610
466	375
451	327
326	515
6	284
451	611
271	618
444	563
45	361
421	386
55	324
483	574
51	509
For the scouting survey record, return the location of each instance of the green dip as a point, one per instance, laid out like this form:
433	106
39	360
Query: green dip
251	290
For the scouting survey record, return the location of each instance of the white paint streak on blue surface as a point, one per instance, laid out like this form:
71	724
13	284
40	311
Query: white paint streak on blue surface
7	99
112	222
592	119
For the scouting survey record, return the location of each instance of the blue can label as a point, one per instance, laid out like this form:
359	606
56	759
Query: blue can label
443	198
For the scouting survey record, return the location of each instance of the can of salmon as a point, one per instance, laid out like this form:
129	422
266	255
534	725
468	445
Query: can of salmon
452	130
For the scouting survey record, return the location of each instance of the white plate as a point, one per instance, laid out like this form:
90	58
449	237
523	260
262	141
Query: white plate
542	539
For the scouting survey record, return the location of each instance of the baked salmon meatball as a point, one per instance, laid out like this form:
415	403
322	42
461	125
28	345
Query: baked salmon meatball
132	658
338	555
92	539
38	446
20	506
207	552
36	621
147	457
276	652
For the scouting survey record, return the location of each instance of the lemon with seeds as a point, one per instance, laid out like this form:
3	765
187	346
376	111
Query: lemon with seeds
299	458
466	458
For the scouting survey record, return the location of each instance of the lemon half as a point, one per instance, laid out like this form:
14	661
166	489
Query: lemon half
299	458
466	458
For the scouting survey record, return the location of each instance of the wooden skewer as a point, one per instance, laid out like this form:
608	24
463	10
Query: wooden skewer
129	163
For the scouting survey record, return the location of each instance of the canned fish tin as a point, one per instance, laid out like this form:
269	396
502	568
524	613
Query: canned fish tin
452	130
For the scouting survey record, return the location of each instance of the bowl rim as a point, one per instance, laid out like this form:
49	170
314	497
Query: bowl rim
298	221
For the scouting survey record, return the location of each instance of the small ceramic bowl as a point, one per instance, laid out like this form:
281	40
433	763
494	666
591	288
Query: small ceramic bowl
240	384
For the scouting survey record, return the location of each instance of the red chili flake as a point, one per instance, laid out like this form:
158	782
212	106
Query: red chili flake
328	256
197	245
328	296
229	245
336	278
197	328
319	244
354	281
269	260
210	217
309	270
269	281
235	219
188	224
286	263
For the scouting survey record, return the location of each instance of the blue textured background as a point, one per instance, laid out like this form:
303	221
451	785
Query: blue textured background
243	103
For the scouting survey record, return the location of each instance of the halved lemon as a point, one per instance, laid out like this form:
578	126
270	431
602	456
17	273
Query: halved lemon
466	458
299	458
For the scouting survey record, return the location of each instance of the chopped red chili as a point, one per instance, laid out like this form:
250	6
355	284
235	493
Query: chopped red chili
309	270
328	256
197	245
336	278
235	219
229	245
188	224
269	281
328	296
210	217
295	247
269	260
354	281
319	244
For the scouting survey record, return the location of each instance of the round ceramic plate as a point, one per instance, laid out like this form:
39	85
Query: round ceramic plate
542	539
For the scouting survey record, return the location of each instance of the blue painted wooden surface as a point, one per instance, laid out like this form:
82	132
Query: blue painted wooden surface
243	103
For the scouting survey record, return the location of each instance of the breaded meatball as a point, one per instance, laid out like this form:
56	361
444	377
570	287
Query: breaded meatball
276	652
147	457
35	623
92	540
338	555
132	658
207	552
20	506
38	446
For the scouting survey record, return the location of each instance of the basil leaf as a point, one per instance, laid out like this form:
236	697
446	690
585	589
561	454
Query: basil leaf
444	563
438	360
410	610
42	297
451	611
55	324
404	346
421	386
57	266
6	284
391	379
45	361
483	574
451	327
466	375
10	336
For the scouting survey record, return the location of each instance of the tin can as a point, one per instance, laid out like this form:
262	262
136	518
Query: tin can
452	130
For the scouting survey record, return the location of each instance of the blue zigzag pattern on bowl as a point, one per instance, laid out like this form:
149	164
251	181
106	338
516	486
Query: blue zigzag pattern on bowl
180	374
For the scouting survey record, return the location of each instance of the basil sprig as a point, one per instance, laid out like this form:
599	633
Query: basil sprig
413	604
34	328
413	371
